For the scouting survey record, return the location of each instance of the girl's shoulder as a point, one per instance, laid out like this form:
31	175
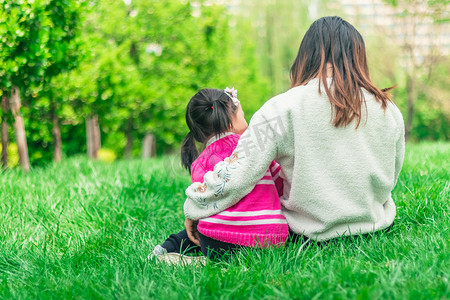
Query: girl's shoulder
214	153
225	144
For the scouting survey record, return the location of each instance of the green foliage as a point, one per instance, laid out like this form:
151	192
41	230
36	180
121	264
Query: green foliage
426	88
35	38
13	155
21	54
431	119
87	227
431	110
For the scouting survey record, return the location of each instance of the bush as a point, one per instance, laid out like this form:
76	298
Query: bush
106	155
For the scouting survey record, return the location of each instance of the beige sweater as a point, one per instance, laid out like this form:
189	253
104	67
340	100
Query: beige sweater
337	181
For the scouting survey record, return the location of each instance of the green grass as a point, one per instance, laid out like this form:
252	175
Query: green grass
83	229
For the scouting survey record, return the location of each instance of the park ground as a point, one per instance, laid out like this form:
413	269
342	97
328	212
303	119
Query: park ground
83	229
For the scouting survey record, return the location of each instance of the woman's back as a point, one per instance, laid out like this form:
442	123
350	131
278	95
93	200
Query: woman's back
338	181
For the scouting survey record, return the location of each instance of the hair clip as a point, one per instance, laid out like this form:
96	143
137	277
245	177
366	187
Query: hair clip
232	93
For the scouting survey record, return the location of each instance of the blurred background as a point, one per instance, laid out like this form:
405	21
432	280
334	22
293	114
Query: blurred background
111	79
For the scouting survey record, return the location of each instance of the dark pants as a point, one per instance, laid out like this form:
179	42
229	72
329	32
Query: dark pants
214	249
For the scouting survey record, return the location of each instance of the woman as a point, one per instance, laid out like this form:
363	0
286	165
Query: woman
338	138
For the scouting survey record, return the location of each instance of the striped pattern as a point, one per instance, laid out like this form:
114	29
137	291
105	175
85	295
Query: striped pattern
256	220
244	223
250	213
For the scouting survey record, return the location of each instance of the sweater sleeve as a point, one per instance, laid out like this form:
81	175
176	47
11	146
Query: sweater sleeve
237	175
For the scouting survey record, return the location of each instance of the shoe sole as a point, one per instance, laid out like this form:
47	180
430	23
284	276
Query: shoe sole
180	259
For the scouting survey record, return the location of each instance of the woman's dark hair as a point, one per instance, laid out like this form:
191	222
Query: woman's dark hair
335	41
209	113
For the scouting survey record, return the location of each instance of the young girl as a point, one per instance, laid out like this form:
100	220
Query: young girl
215	118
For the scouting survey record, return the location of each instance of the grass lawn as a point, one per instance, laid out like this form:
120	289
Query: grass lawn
83	229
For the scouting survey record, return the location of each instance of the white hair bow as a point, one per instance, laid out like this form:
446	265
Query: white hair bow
232	93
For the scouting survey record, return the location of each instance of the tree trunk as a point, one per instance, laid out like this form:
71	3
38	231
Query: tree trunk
89	137
4	161
411	100
129	145
97	138
93	136
148	146
19	129
56	132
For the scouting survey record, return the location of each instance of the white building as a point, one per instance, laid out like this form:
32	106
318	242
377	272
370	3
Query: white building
417	33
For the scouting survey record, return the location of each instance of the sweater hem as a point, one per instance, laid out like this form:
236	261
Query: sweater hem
247	239
345	230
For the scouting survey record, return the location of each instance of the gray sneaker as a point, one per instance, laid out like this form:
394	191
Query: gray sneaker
160	254
158	251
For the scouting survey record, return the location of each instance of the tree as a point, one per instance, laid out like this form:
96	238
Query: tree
4	131
35	40
21	60
418	63
64	53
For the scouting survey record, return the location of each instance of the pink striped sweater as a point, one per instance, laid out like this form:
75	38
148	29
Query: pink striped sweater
256	220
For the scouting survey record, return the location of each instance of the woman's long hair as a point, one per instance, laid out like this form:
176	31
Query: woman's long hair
209	113
335	41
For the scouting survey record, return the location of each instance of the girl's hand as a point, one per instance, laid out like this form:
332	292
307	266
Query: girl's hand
191	229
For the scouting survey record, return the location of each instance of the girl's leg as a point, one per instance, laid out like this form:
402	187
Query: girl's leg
179	243
215	249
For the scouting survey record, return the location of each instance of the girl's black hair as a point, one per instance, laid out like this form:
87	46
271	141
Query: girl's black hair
208	113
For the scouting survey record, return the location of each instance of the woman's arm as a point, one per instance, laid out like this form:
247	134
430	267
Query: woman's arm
237	175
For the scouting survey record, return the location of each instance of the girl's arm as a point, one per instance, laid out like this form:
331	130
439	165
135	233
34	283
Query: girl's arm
237	175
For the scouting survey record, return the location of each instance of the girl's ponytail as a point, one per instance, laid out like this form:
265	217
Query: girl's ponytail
221	120
189	151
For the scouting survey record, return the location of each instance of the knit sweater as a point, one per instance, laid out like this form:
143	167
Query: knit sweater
337	181
256	220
